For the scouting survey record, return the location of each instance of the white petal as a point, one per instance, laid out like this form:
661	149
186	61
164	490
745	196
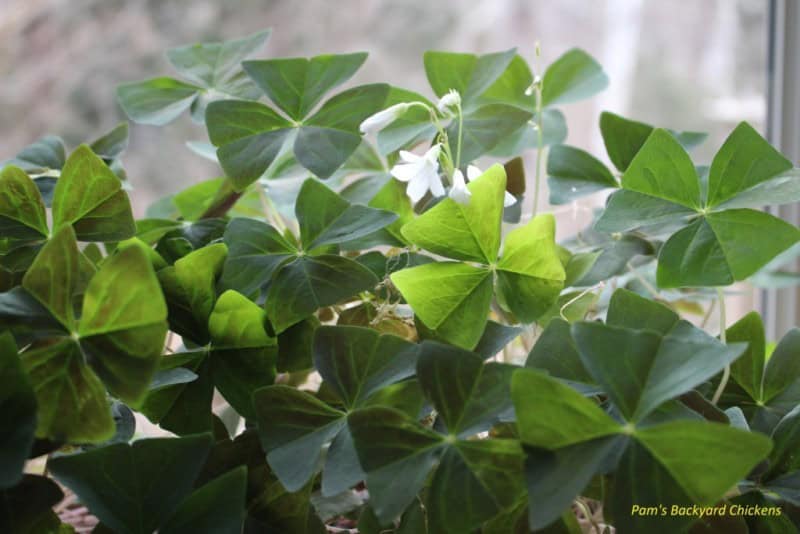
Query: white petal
416	190
406	172
409	157
473	172
435	184
432	155
509	200
459	191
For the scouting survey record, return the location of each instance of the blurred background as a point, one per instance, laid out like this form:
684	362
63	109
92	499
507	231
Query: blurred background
682	64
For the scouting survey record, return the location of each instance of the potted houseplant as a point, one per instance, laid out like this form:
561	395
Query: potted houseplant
356	328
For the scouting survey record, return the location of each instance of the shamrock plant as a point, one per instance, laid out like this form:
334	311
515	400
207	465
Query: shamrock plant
355	328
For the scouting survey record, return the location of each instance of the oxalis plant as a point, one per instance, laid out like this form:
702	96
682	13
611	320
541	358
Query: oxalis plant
362	326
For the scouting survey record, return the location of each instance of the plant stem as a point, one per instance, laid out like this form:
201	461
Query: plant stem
460	136
538	86
726	374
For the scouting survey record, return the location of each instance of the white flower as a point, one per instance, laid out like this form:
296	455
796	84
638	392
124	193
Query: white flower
421	173
382	119
449	100
473	172
459	191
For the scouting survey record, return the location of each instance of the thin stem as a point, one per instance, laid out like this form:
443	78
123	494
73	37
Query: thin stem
460	136
270	211
538	87
726	374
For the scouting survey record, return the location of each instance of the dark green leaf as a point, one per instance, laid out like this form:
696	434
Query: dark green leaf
356	362
326	218
255	251
293	424
249	136
308	283
468	395
484	128
218	506
573	173
18	406
27	508
330	136
397	455
296	85
640	369
134	488
156	101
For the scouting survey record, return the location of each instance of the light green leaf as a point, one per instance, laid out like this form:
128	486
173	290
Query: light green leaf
71	399
529	274
662	169
197	273
326	218
450	298
243	354
195	200
134	489
745	159
18	406
123	323
308	283
296	85
89	197
704	479
573	76
156	101
53	278
573	173
22	212
551	415
465	232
